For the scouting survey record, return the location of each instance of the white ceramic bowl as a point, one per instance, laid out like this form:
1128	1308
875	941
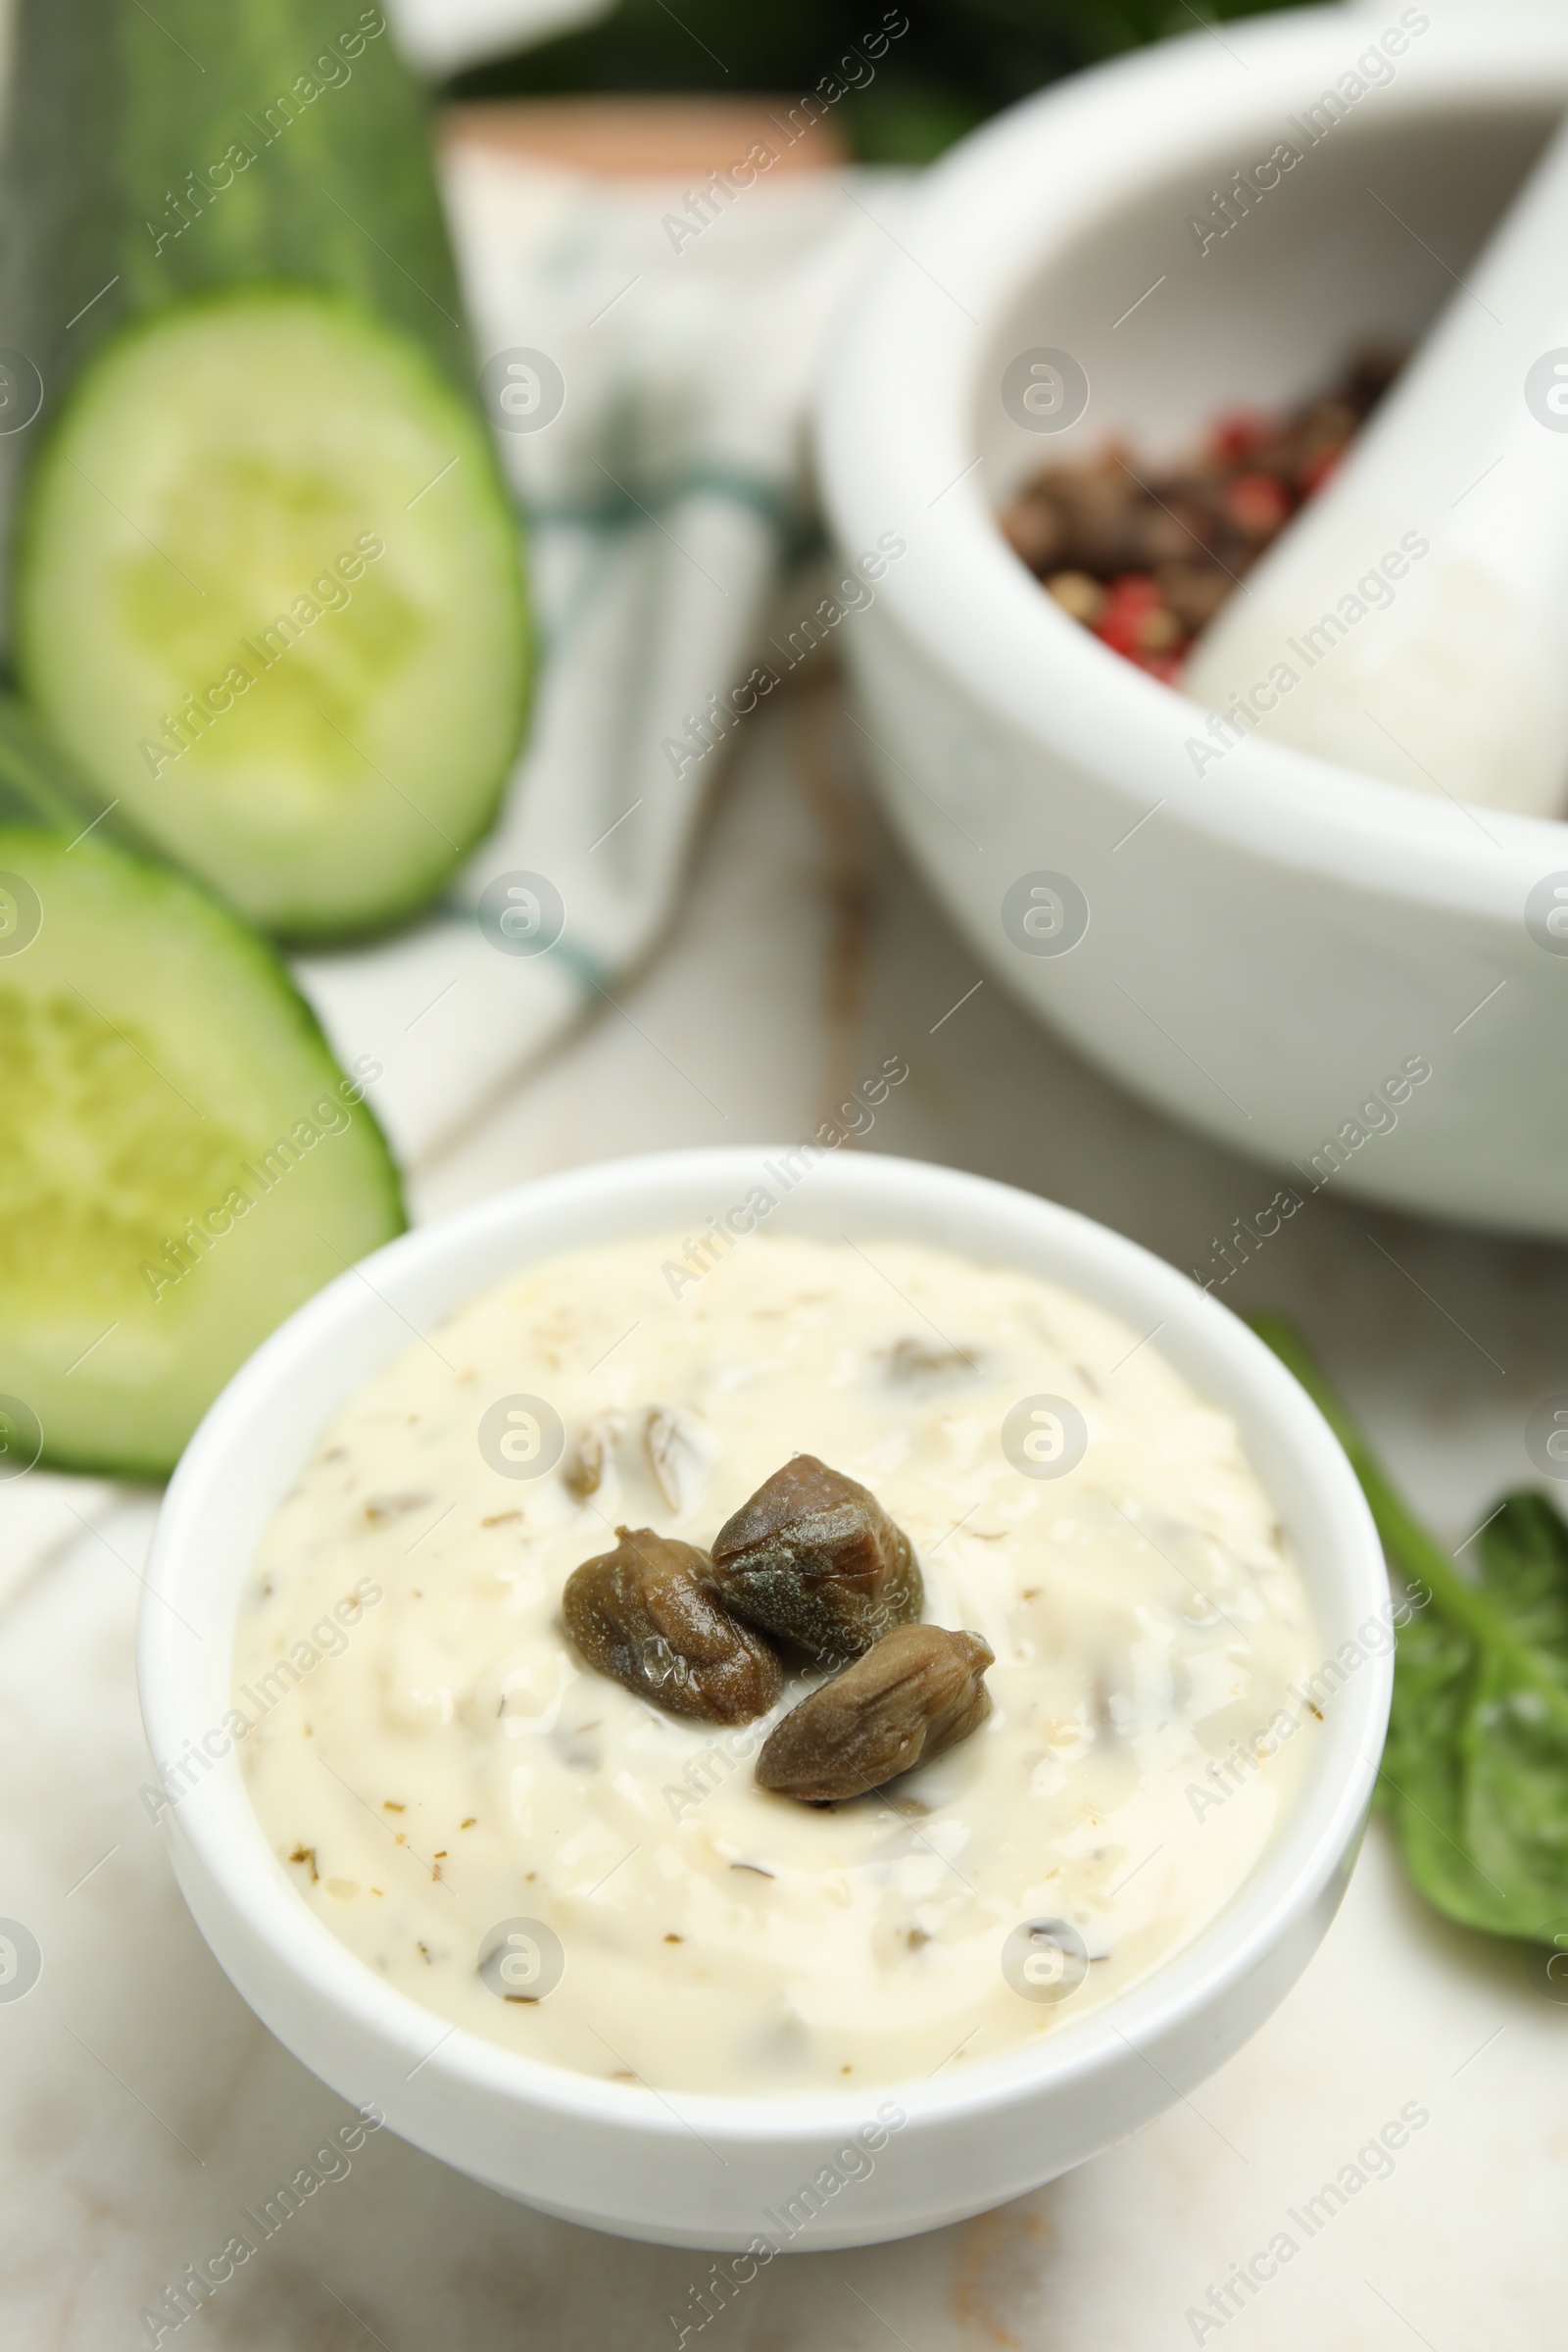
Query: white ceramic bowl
702	2171
1280	934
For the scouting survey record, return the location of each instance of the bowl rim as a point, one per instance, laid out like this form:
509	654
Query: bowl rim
896	440
224	1834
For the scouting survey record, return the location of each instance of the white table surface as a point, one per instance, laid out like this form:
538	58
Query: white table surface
141	2104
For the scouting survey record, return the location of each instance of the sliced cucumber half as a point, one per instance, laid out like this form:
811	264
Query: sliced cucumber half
181	1161
268	594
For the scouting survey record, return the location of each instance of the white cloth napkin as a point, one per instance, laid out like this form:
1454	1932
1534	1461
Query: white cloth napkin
658	503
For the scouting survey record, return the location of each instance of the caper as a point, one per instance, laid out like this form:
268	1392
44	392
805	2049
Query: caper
918	1690
645	1615
813	1557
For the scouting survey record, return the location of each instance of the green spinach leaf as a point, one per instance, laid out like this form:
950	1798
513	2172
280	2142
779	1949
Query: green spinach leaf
1475	1772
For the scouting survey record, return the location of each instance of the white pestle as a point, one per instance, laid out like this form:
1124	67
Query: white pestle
1412	620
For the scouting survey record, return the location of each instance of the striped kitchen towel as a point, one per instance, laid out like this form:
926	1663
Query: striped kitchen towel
648	355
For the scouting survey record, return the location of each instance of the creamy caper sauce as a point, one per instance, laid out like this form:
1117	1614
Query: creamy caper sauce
540	1855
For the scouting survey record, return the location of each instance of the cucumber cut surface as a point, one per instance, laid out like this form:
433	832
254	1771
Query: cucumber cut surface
269	596
181	1161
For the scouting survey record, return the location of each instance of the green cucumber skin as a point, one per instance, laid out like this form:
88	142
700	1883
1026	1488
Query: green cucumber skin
293	925
37	787
159	904
334	191
339	198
